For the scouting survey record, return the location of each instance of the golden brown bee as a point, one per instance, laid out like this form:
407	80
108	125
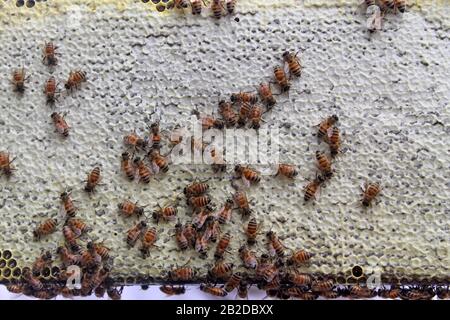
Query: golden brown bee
133	140
182	274
242	292
50	90
166	214
323	285
69	236
18	80
304	295
222	246
92	180
311	188
173	290
156	136
394	5
233	282
196	6
196	189
201	217
240	198
45	228
134	233
90	258
252	231
5	164
33	282
181	4
199	201
287	170
299	279
255	117
248	257
299	257
69	207
400	5
128	209
330	294
275	244
231	6
247	174
201	245
294	65
75	79
268	271
144	172
265	92
49	53
190	232
281	78
361	292
159	162
42	262
228	114
217	8
215	291
370	191
128	166
209	122
221	270
324	164
148	240
68	258
60	123
213	229
244	98
78	226
100	291
15	288
334	141
243	114
181	239
325	125
224	214
114	293
102	250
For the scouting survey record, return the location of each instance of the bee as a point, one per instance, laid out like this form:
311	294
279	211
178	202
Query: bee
68	205
100	291
128	166
181	4
201	245
265	92
128	209
78	226
221	270
231	6
196	189
199	201
224	214
334	142
42	262
69	236
68	258
370	191
102	250
293	63
5	163
148	240
222	246
190	232
240	198
247	174
33	282
394	5
159	162
50	90
400	5
133	140
233	282
49	53
182	274
299	279
181	239
281	78
196	7
255	117
94	280
311	188
166	214
228	114
218	163
90	258
306	296
324	164
114	293
45	228
92	180
252	231
361	292
248	257
268	271
156	136
15	288
275	244
323	285
134	233
18	80
75	79
244	97
213	229
144	172
209	122
173	290
325	125
201	217
299	257
330	294
242	291
60	123
215	291
216	8
243	114
288	170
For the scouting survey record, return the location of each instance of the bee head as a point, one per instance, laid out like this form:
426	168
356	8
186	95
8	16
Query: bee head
54	115
67	85
234	97
365	203
286	55
143	224
256	126
335	118
90	245
222	103
238	168
155	215
242	248
125	156
64	195
270	234
219	124
47	255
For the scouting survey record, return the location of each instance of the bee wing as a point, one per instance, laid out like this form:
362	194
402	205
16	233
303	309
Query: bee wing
154	167
271	249
246	182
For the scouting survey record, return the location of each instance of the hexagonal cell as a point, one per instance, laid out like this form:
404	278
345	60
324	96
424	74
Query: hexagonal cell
2	263
6	254
17	272
12	263
357	271
6	272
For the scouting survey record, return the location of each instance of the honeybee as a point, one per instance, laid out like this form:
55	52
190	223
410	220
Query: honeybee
233	282
102	250
201	245
78	226
159	162
299	257
199	201
134	233
275	244
268	271
144	172
394	5
228	114
182	274
190	232
42	262
299	279
361	292
18	80
248	257
45	228
68	258
231	6
60	123
196	6
196	189
173	290
243	114
133	140
324	164
221	270
90	259
281	78
370	191
330	294
244	98
209	122
75	79
5	164
15	288
265	92
215	291
156	136
247	174
68	205
69	236
148	240
49	54
294	65
334	142
128	166
33	282
255	117
181	4
325	125
323	285
217	8
201	217
213	229
224	214
311	188
252	231
240	198
287	170
128	209
167	213
92	180
181	239
114	293
222	246
50	90
218	163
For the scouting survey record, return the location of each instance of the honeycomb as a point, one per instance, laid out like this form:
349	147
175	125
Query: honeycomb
390	90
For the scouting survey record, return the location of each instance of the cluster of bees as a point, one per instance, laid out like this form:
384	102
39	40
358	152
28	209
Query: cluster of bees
219	8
